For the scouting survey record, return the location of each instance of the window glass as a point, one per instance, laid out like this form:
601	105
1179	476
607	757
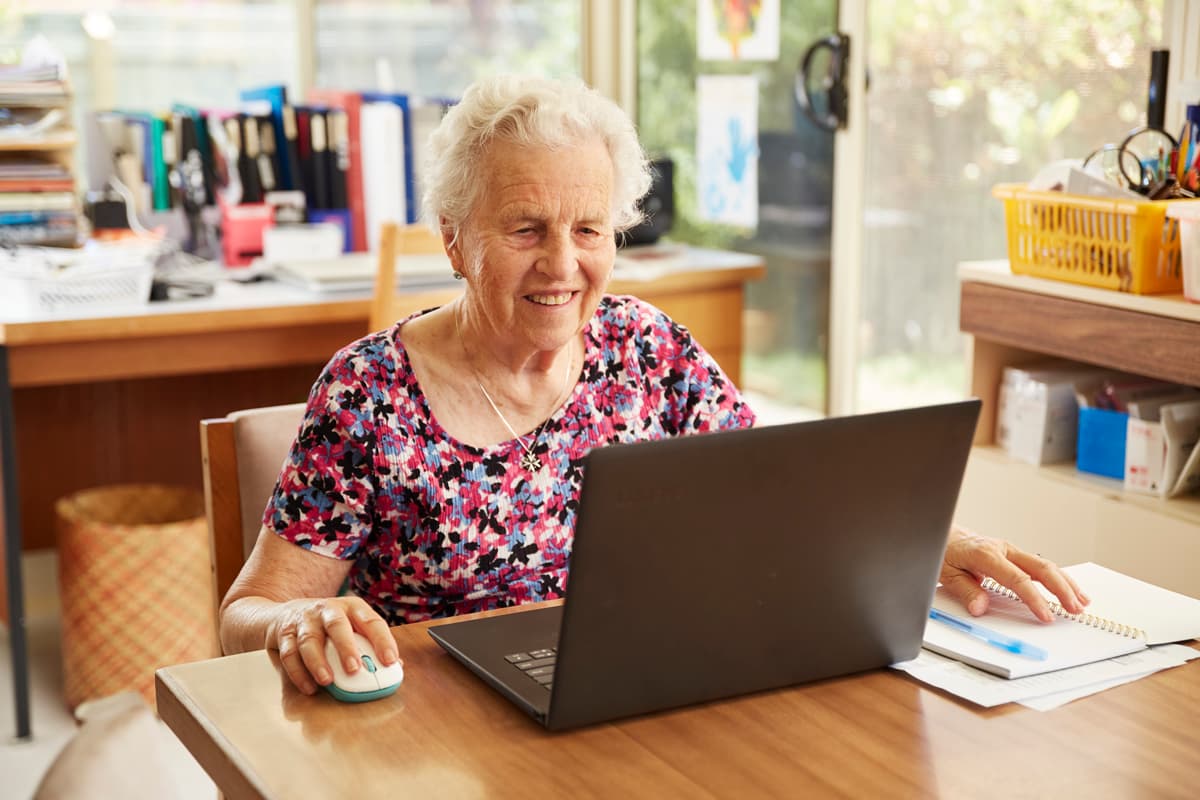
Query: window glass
965	95
433	48
144	55
786	315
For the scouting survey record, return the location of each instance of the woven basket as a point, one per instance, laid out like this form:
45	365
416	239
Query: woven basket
136	586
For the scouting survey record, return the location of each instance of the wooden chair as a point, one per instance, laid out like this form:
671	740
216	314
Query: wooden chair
396	241
242	454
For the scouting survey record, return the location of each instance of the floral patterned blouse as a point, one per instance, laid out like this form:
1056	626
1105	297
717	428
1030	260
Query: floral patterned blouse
436	527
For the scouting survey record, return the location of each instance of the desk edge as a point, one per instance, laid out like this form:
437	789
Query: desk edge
232	776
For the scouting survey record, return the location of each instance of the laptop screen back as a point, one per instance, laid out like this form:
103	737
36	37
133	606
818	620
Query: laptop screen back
711	566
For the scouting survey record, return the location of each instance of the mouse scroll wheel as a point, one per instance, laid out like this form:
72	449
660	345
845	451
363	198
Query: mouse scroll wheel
368	663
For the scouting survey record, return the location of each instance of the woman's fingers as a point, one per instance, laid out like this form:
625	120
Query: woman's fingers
1006	573
341	632
970	558
310	638
293	664
312	624
1048	573
372	626
965	588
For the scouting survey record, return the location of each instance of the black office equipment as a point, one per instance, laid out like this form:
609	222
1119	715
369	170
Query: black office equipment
247	167
290	158
658	205
710	566
337	123
318	190
269	162
1156	100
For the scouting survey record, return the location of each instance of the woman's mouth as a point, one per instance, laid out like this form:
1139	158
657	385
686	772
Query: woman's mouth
550	299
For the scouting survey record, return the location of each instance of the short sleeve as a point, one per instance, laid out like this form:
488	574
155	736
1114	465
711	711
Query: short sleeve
697	395
324	499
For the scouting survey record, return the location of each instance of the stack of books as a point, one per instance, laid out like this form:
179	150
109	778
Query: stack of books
37	188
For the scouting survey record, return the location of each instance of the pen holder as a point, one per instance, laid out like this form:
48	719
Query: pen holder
342	217
242	229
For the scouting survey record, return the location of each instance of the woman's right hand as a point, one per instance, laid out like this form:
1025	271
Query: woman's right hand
302	626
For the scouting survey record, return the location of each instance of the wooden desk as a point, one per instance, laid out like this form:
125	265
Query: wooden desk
878	734
112	399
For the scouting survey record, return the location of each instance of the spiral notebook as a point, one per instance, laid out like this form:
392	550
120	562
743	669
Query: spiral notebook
1125	615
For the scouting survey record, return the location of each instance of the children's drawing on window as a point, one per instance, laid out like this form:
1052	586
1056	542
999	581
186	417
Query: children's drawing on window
727	149
737	30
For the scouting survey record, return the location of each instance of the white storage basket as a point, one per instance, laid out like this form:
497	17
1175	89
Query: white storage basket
35	281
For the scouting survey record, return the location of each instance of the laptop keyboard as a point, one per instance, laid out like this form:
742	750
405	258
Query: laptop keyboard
537	664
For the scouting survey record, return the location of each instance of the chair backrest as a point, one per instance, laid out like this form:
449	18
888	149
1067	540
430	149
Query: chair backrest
396	241
242	454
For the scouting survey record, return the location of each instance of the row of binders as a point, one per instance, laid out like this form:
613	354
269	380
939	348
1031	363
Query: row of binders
37	198
357	153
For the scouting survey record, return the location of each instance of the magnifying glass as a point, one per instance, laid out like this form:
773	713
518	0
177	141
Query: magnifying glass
1151	149
1117	166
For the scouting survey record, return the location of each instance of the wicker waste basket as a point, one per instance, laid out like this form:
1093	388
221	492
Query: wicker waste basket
136	586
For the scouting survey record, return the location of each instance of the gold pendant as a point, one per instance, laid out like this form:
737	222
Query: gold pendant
530	462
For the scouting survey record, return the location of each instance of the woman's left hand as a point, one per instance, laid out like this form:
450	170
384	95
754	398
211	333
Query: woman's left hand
970	558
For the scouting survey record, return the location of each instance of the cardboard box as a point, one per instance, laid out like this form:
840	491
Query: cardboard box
1037	413
1163	458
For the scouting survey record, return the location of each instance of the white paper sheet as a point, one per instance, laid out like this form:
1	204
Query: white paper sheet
1056	699
989	690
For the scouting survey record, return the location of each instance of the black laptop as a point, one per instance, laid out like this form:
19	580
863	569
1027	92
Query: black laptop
711	566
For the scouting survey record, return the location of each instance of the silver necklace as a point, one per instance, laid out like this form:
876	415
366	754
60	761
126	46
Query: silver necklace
530	461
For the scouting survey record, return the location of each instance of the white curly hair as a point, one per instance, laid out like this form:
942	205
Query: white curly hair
527	111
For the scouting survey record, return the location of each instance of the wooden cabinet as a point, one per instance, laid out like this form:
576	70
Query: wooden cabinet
1064	514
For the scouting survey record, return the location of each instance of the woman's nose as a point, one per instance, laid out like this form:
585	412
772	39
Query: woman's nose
560	257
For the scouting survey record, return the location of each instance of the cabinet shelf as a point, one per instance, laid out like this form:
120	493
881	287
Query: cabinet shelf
60	141
1056	510
1186	508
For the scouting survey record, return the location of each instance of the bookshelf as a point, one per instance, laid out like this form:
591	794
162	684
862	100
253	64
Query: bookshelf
1064	514
60	145
38	205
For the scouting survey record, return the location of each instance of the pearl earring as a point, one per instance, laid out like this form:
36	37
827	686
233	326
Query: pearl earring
458	276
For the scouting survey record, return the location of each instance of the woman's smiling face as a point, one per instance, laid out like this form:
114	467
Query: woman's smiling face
538	248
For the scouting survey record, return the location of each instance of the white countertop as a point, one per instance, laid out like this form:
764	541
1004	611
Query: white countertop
633	264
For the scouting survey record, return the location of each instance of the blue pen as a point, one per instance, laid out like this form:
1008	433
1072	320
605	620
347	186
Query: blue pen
990	636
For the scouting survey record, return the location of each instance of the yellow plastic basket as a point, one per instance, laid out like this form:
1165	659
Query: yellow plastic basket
1127	245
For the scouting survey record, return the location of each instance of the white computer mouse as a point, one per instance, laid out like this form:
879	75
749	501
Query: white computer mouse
371	681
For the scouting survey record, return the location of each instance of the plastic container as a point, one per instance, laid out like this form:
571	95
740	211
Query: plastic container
1188	215
1100	444
1126	245
137	589
94	278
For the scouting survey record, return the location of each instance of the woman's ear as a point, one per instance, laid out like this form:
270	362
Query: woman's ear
452	241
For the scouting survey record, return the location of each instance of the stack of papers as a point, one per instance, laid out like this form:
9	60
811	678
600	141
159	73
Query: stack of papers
1008	655
356	272
1049	689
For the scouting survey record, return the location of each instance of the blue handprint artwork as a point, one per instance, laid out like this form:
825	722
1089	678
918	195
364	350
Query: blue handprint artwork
727	149
741	150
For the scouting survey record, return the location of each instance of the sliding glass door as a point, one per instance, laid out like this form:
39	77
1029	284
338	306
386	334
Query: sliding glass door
680	77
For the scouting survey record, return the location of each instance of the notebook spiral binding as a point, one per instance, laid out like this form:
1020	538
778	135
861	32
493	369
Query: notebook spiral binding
1085	618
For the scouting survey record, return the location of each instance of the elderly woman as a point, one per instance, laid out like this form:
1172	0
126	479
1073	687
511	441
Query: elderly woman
438	467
